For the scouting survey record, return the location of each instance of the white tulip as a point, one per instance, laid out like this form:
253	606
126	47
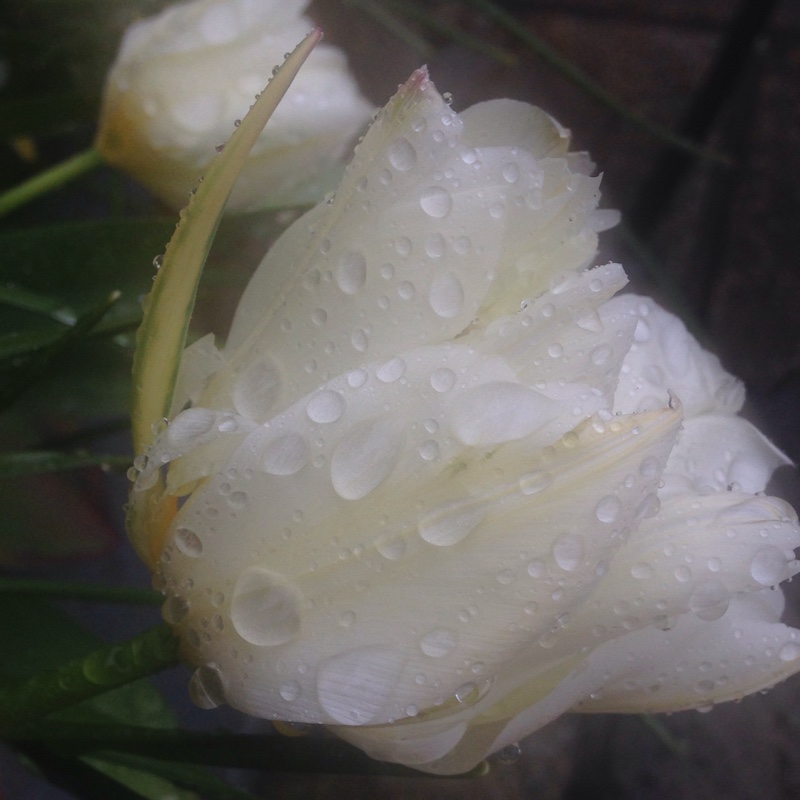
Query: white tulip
183	77
439	488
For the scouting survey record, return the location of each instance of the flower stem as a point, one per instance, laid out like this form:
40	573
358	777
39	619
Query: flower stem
50	179
109	667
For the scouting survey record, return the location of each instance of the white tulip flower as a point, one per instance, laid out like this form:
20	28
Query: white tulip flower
183	77
438	487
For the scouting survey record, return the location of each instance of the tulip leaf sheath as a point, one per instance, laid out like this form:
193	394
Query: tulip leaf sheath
168	307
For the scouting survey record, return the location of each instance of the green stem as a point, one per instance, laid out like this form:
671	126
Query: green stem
50	179
72	591
587	85
27	702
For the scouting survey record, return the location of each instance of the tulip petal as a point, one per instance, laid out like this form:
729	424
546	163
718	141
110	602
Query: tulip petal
418	239
666	359
716	453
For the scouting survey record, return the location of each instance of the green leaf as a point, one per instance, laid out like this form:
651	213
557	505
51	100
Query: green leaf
13	465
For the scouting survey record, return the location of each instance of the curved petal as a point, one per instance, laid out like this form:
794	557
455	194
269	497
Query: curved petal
666	359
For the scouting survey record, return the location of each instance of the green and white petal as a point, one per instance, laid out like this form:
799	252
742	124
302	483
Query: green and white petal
666	359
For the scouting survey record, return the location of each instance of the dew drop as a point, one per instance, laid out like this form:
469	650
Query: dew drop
429	450
446	295
790	652
265	608
768	566
290	691
355	686
256	390
351	272
448	526
443	379
286	455
391	370
568	552
237	500
438	642
535	482
608	509
650	467
189	426
642	571
402	155
511	173
365	458
325	406
436	202
391	546
188	542
435	245
207	686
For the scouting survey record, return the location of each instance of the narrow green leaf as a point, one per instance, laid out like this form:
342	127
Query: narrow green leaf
168	309
31	462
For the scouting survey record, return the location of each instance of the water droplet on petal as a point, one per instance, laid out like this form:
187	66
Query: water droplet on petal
365	458
535	482
189	426
256	389
392	370
790	651
188	542
438	642
436	202
402	155
568	552
265	608
448	526
768	566
290	690
391	546
286	455
351	273
354	687
207	686
325	406
443	379
608	509
446	295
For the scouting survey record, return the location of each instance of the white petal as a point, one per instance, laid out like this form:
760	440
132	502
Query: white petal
717	452
666	359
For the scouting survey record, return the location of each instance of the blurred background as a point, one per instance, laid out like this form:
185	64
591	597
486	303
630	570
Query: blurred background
715	240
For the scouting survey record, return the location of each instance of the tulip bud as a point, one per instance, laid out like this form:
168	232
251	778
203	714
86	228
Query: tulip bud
439	487
183	77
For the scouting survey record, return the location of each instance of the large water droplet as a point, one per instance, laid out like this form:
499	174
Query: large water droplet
446	295
608	509
438	642
188	542
351	272
354	687
325	406
535	482
448	526
290	691
365	458
568	552
768	566
391	370
286	455
709	600
189	426
402	155
256	390
435	245
207	686
391	546
265	608
443	379
436	202
498	412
